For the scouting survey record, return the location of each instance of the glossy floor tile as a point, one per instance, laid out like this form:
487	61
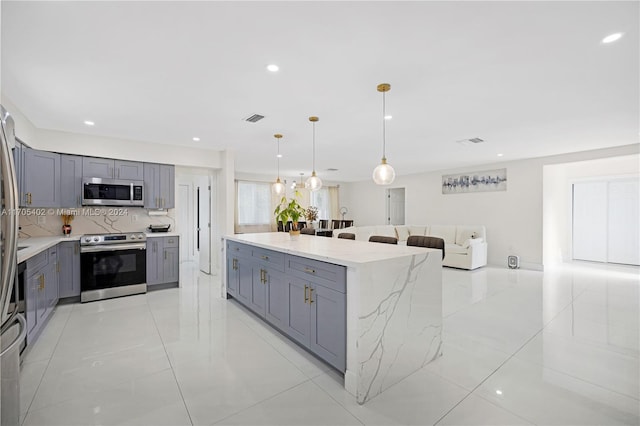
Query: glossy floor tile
519	347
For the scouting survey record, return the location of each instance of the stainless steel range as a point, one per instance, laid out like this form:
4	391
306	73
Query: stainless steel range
112	265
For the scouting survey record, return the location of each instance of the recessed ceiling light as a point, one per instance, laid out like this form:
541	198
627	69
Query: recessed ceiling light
89	123
498	392
611	38
279	155
273	67
388	117
500	155
196	139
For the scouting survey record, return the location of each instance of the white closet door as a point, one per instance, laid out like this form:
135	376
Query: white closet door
590	221
624	222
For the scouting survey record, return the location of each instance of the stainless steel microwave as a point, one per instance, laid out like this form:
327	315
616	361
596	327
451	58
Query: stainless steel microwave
112	192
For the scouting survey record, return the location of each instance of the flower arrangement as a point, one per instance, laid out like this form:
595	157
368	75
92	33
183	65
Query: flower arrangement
66	223
311	214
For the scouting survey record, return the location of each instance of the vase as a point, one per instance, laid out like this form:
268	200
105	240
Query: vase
66	230
294	234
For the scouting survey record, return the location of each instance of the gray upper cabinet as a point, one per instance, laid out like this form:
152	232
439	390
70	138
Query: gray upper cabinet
41	179
93	167
69	276
107	168
70	180
18	161
159	186
128	170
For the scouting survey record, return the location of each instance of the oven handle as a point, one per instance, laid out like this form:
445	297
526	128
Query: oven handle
113	247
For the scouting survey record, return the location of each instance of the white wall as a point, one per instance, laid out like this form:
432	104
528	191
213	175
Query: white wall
513	218
558	179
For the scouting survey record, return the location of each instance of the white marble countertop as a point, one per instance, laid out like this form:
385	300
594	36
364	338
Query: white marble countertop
34	245
333	250
161	234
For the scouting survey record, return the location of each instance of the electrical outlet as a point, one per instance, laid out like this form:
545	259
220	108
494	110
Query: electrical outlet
42	220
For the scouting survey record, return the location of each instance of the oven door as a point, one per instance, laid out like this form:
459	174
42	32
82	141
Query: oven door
112	271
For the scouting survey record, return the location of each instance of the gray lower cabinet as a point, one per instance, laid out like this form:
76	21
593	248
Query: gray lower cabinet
41	290
163	263
69	275
70	181
41	179
304	298
51	280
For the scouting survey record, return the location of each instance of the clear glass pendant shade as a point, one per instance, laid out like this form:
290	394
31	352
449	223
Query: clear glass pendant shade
384	173
313	183
278	188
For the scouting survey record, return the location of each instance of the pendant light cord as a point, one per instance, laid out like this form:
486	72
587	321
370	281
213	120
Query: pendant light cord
314	146
384	127
278	157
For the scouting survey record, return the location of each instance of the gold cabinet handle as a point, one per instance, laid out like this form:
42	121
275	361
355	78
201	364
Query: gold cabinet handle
263	276
310	295
306	299
29	201
234	264
310	271
41	279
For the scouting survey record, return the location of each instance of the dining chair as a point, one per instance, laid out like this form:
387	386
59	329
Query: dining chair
383	239
335	223
308	231
324	223
425	241
347	223
347	236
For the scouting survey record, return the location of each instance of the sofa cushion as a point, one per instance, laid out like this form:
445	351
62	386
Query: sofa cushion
385	231
455	248
402	232
463	233
417	230
470	241
446	232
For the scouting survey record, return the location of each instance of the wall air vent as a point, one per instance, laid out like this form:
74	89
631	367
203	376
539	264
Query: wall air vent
254	118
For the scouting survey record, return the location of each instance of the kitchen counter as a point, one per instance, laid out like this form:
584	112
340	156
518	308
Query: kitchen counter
393	304
161	234
33	246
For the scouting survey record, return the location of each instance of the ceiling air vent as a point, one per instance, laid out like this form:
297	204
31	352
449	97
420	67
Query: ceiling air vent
470	141
476	140
254	118
332	169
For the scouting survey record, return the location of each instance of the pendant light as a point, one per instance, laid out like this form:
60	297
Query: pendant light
314	182
278	187
384	173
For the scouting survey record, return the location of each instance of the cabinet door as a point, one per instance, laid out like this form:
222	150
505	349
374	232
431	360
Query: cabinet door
70	180
170	264
42	178
51	279
130	170
328	327
32	285
297	317
69	276
232	276
167	186
18	161
93	167
245	281
151	185
154	261
258	300
276	290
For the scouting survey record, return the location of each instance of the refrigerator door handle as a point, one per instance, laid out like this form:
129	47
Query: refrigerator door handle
10	234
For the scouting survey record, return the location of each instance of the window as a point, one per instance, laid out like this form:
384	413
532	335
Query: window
320	199
254	203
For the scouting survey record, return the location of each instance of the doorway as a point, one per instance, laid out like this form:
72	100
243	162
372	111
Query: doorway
395	206
203	223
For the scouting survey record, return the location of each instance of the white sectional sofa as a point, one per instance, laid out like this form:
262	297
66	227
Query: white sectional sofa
465	245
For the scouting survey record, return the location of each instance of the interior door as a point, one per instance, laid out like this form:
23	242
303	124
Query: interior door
203	223
395	206
623	222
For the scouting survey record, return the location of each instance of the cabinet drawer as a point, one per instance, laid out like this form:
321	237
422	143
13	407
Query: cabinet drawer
274	259
238	249
171	241
37	261
323	273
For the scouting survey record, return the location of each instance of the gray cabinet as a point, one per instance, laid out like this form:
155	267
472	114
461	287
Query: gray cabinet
51	280
159	186
40	291
163	263
70	181
18	161
304	298
41	179
93	167
69	275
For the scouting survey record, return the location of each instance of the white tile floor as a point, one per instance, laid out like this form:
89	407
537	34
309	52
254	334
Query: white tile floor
520	347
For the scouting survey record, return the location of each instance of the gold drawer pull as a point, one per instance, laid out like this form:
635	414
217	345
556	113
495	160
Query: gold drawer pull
310	295
264	257
306	299
309	270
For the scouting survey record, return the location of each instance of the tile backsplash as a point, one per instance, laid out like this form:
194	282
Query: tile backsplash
89	220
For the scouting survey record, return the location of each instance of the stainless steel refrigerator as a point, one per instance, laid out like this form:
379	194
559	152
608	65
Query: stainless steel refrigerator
12	323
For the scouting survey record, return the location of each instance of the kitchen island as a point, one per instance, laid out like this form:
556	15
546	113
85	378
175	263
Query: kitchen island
383	301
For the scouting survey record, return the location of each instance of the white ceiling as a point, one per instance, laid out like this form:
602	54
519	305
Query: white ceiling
532	79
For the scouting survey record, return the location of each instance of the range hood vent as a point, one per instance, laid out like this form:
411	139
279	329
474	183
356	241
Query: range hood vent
254	118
